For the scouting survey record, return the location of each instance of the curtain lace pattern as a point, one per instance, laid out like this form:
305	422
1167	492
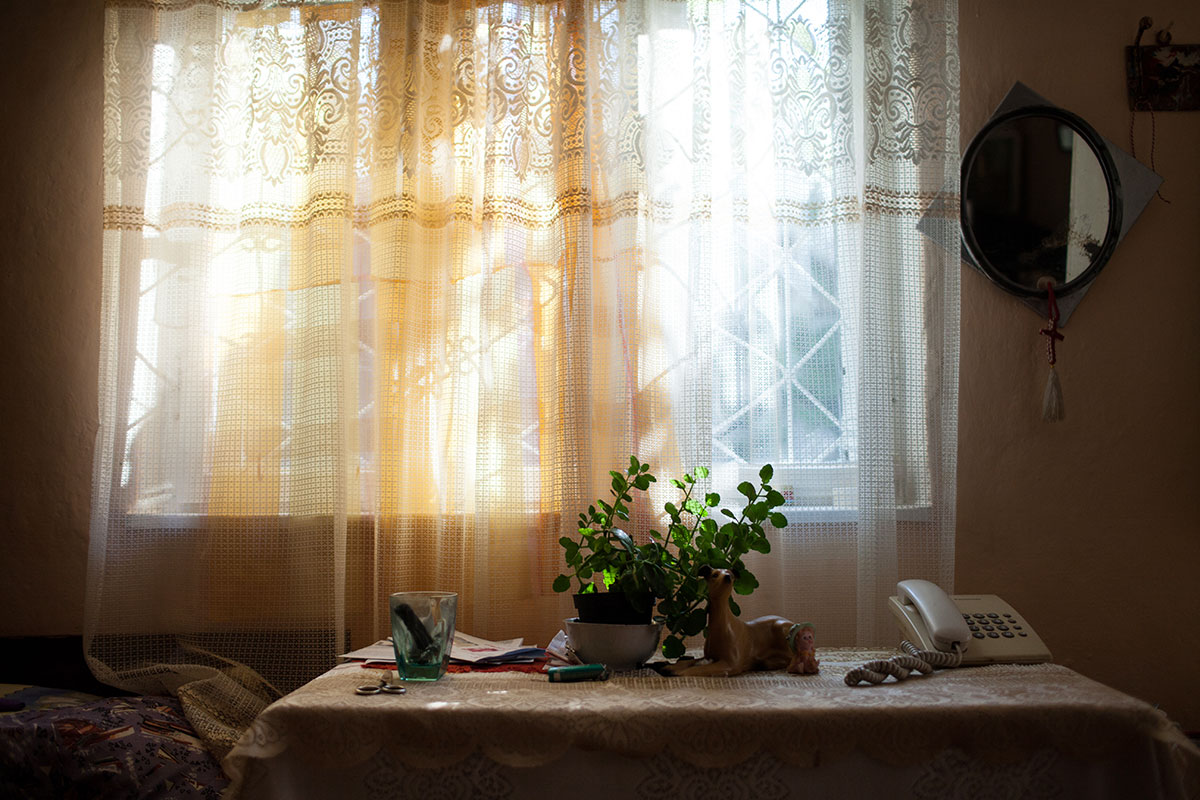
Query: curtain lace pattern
389	287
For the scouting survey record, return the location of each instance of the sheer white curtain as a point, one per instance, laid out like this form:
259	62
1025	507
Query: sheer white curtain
390	287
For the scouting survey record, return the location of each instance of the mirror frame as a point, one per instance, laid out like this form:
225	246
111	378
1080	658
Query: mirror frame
1111	179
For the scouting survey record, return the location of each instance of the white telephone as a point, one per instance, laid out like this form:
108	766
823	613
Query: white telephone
985	629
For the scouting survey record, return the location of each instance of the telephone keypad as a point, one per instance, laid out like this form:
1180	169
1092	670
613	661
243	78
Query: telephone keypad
991	625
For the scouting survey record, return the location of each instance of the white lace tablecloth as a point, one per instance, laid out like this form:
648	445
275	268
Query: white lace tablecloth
502	734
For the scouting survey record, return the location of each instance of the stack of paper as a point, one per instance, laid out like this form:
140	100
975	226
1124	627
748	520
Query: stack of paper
468	649
465	649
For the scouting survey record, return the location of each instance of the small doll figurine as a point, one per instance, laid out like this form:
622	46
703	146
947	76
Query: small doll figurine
802	643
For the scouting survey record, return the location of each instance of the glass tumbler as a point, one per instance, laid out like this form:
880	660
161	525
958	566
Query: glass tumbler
422	631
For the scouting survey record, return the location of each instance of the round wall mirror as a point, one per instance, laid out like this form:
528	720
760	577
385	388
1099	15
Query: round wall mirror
1040	200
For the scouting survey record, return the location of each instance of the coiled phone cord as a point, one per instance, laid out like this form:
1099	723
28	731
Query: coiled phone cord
899	667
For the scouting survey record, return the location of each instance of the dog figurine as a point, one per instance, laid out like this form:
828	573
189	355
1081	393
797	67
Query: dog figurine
734	646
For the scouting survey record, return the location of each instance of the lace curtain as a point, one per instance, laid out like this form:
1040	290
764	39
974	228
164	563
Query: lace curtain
389	287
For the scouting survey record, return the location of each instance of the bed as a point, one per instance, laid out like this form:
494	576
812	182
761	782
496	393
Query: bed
61	744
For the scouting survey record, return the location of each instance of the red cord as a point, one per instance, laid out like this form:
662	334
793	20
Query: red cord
1051	331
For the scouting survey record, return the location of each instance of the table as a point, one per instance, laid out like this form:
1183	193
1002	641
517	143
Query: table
1001	730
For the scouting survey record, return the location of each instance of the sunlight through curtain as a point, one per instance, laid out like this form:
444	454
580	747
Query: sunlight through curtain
389	287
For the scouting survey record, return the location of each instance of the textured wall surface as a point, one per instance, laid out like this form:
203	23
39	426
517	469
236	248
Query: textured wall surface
50	157
1090	527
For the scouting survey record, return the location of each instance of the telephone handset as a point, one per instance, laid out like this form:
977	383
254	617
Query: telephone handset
985	629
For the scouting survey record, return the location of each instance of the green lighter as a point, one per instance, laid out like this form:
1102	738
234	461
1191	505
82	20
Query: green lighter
579	672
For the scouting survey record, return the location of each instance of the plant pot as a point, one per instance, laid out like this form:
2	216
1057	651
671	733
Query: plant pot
615	608
618	647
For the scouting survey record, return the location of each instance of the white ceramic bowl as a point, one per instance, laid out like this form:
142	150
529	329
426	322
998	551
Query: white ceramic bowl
618	647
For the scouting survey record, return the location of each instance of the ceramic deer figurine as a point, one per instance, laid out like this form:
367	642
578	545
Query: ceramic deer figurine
734	646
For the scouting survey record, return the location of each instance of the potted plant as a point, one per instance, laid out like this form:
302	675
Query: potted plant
631	575
662	572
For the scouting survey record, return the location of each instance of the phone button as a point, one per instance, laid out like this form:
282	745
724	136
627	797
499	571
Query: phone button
1008	635
993	635
980	635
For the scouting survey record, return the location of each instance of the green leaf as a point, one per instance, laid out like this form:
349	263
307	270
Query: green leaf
711	499
701	472
745	583
678	484
562	583
775	499
778	520
746	488
761	545
625	540
735	608
696	508
681	536
672	647
766	472
671	509
634	466
588	588
728	513
695	622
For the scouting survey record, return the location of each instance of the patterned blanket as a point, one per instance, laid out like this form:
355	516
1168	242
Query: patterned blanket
60	744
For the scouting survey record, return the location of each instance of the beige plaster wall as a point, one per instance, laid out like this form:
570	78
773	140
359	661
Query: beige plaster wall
51	94
1090	527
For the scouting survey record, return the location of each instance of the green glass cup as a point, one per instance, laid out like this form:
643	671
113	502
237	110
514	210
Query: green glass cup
422	632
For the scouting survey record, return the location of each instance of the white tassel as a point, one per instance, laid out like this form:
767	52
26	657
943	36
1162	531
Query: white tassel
1052	399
